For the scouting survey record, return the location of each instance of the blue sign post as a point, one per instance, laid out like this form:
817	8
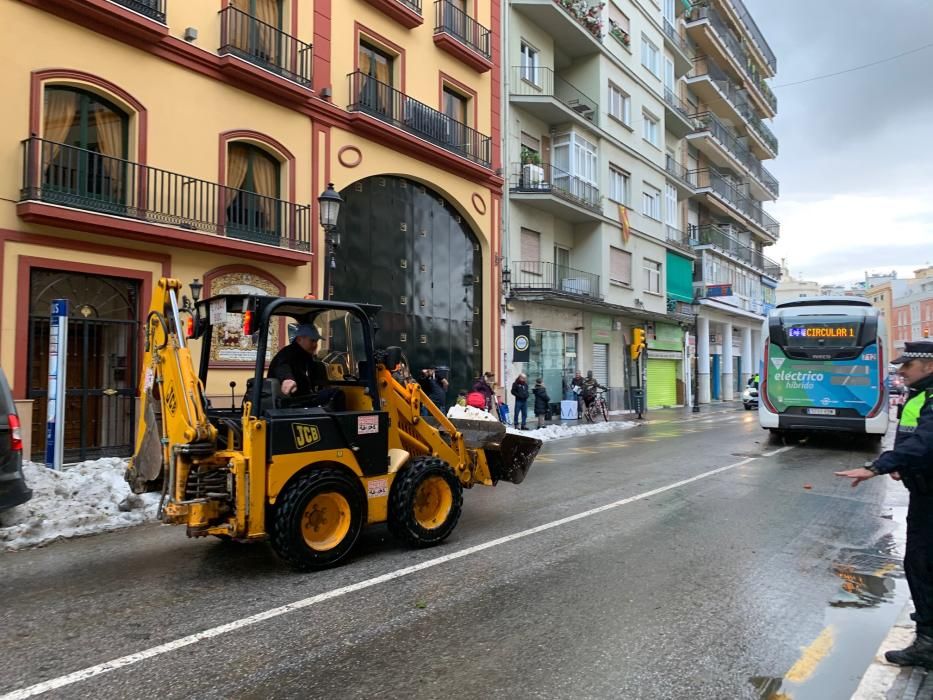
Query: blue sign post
58	359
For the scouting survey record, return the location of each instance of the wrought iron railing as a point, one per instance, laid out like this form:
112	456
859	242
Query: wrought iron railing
451	19
245	36
724	189
677	104
728	139
671	33
529	81
678	238
153	9
544	178
736	96
725	242
536	275
384	102
736	48
753	30
75	177
412	4
679	171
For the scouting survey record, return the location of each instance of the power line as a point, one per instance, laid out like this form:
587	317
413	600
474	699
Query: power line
855	68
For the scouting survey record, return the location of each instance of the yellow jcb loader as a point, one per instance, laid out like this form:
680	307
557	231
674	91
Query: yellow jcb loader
307	477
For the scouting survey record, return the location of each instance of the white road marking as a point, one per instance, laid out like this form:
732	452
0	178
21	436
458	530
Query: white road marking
763	454
135	658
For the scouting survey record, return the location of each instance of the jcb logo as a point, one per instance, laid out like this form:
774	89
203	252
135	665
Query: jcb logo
171	401
305	435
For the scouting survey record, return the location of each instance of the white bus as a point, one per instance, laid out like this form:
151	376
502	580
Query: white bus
823	367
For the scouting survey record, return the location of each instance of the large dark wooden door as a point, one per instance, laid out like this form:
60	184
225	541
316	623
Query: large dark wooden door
407	249
103	362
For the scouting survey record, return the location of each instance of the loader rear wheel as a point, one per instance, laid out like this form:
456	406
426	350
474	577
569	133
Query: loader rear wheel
425	502
317	519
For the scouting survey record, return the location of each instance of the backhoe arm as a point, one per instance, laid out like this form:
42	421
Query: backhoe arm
170	385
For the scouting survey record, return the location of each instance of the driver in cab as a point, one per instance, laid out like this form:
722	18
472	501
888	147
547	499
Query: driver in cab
296	366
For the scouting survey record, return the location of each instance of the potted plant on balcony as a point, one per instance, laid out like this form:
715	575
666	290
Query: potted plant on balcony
532	172
619	34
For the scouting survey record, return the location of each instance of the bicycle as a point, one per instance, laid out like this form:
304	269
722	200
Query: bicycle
598	407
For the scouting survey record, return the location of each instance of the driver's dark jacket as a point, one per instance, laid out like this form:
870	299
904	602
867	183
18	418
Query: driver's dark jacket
291	362
912	456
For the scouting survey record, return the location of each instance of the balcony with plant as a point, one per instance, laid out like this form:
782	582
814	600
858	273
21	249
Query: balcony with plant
589	16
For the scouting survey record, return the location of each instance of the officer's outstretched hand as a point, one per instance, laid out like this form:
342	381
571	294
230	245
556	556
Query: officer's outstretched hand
857	475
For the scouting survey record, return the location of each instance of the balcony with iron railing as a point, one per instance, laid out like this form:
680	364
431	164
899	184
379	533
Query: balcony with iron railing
758	39
536	276
724	242
707	124
683	55
80	179
727	99
405	12
462	36
731	48
710	180
260	44
153	9
546	95
678	118
680	174
547	179
384	102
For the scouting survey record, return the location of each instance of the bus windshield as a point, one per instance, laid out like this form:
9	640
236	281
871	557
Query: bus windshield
812	331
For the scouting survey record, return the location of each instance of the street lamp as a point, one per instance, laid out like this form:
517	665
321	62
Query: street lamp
329	209
695	310
196	287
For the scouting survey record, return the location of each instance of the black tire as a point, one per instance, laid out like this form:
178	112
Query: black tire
605	411
748	406
339	505
408	494
588	413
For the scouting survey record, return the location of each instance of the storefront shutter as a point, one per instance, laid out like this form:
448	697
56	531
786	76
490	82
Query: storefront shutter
662	383
601	363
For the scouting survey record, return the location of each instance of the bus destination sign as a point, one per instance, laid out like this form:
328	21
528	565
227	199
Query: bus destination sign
842	330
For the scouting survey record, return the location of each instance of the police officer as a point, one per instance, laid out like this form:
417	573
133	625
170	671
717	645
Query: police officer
911	461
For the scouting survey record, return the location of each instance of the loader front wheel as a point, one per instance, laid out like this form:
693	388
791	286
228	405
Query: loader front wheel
425	502
317	519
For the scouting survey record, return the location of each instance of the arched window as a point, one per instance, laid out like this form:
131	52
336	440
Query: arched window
84	149
254	211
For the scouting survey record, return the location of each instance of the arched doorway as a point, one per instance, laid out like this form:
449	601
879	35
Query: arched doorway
103	361
407	249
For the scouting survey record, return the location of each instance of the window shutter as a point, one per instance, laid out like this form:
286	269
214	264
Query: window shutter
620	266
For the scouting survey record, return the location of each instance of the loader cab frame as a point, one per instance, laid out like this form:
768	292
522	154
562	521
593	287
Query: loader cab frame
261	311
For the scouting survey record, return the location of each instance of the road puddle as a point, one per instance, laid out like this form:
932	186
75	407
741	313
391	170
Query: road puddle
872	592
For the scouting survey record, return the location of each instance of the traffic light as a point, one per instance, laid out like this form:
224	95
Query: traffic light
638	342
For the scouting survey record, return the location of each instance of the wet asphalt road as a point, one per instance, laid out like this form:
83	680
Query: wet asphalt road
739	584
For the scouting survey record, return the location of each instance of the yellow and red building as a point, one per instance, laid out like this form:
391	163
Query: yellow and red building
191	139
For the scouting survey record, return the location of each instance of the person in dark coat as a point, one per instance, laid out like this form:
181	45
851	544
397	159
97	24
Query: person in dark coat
911	463
542	401
483	385
296	367
434	388
520	392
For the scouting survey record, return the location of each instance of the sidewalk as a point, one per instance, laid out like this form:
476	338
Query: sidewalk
884	681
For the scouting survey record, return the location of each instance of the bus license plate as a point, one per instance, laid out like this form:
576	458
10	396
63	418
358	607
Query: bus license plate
821	411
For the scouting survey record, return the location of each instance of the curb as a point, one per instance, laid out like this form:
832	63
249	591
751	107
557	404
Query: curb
881	677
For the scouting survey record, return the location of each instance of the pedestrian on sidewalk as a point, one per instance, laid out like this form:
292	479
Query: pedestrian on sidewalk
483	385
520	392
911	463
542	400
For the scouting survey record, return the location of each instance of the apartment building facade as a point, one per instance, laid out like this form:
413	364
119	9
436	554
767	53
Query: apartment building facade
634	191
192	139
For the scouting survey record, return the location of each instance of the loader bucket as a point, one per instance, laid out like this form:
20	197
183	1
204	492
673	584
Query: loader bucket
509	456
145	467
511	459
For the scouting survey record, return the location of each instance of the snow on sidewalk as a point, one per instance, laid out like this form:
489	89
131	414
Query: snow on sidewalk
92	497
82	499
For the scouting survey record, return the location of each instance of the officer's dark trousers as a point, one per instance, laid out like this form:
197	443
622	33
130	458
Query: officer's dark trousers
918	559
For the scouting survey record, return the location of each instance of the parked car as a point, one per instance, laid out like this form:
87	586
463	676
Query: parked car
896	385
13	489
750	397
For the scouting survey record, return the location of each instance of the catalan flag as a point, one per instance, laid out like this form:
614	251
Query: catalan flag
623	219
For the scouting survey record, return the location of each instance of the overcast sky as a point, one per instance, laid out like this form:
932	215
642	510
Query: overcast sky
856	150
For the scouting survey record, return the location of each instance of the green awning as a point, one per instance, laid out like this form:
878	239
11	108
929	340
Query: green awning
687	5
679	277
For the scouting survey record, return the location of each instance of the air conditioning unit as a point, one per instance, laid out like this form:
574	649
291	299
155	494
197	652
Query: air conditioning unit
532	175
575	285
